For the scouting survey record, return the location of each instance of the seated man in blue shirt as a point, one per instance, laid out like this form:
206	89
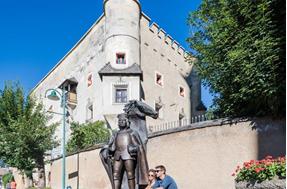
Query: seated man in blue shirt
163	181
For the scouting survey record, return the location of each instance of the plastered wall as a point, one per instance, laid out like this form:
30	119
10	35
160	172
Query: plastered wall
201	156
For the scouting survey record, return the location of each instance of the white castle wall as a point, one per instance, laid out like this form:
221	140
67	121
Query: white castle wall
160	53
85	58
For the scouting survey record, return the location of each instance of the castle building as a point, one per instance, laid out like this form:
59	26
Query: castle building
123	56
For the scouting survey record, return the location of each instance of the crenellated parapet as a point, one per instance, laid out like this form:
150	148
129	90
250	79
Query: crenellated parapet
156	30
155	39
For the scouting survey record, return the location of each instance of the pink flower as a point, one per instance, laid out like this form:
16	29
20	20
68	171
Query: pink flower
257	170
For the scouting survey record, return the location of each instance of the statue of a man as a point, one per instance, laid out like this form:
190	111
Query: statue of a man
125	154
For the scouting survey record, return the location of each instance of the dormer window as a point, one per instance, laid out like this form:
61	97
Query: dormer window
121	58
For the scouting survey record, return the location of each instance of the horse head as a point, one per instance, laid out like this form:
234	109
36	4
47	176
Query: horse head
140	109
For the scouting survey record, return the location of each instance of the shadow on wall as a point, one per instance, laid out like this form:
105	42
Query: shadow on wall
271	135
270	130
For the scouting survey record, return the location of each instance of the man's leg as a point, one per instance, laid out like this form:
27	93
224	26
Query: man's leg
118	173
130	169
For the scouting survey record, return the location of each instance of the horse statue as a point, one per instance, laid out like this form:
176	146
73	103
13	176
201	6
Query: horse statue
137	111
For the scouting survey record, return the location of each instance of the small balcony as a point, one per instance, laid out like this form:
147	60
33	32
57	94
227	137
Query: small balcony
72	99
70	86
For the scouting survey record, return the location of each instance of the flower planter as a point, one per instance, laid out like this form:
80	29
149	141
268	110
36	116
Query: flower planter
267	184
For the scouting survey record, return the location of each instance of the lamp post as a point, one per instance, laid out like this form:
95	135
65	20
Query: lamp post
54	96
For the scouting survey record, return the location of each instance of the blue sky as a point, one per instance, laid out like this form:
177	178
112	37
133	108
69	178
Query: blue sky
35	35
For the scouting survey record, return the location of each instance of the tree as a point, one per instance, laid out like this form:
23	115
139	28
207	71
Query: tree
240	48
87	135
24	134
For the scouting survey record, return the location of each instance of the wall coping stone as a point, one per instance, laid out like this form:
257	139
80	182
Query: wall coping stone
221	122
199	125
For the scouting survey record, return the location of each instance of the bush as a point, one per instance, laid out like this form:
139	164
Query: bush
87	135
260	170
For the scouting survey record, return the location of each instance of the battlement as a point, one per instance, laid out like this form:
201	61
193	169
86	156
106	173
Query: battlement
165	37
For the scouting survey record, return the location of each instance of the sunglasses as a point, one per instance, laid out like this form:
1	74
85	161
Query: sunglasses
157	171
151	175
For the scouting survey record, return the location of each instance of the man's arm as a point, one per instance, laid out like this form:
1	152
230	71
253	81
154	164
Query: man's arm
165	183
157	185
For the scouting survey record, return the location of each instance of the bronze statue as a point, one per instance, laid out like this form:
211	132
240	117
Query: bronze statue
125	153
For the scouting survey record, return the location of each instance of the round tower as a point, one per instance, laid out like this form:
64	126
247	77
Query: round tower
122	32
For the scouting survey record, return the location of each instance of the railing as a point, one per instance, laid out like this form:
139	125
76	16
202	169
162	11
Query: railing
178	123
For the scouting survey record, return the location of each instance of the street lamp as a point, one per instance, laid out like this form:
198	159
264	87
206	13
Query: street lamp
54	95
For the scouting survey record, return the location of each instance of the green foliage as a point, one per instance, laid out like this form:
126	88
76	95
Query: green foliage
7	178
86	135
240	47
265	169
24	134
210	114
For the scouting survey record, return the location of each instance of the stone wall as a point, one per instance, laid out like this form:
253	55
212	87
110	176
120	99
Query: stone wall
200	156
204	157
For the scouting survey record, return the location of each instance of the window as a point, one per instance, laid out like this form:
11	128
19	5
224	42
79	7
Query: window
121	58
121	95
181	91
159	79
90	112
90	80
